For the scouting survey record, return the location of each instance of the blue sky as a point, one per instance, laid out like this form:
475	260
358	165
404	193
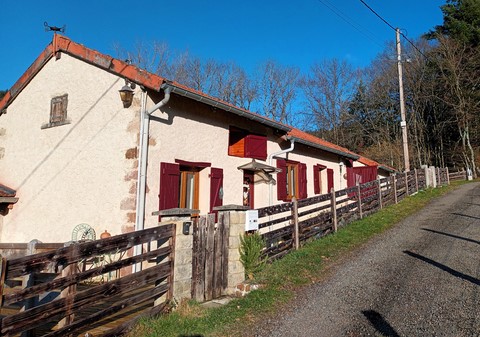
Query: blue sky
297	33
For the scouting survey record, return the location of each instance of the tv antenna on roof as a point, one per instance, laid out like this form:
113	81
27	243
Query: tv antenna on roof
54	28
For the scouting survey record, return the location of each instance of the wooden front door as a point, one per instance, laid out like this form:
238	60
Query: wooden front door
248	189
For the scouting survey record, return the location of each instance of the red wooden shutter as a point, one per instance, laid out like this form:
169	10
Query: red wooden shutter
282	180
169	186
330	180
216	188
256	147
351	177
316	179
302	181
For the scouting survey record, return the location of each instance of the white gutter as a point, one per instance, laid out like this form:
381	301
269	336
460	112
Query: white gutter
270	158
142	163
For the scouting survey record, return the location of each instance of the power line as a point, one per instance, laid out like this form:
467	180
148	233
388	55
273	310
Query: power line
351	22
393	28
378	15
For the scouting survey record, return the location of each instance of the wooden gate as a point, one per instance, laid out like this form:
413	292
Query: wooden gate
210	257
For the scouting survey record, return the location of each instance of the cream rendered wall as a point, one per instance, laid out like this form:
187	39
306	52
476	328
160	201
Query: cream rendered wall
191	131
69	174
311	157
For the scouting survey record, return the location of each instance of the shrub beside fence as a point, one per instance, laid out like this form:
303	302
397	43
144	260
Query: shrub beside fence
286	226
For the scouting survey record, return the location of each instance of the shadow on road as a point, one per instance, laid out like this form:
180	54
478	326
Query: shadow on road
444	268
467	216
379	323
452	235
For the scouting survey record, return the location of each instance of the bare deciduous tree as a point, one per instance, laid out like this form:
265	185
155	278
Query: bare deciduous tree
328	91
459	84
277	90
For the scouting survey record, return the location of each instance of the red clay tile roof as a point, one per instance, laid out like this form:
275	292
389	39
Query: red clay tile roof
154	82
63	44
367	161
321	143
370	162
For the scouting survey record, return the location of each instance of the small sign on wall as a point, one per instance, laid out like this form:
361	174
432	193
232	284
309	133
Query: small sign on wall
251	220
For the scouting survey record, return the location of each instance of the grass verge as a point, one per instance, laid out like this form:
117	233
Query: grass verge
283	277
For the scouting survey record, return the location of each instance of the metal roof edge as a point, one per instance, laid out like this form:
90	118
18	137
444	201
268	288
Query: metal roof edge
192	94
325	148
386	168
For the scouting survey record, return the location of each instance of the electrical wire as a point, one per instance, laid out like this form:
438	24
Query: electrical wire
351	22
393	28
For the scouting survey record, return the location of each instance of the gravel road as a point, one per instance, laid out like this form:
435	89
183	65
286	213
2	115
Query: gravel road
421	278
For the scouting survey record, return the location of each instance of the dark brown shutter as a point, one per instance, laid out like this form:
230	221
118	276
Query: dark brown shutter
330	183
169	186
302	181
58	109
282	180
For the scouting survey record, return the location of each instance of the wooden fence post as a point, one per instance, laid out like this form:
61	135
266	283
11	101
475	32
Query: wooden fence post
448	176
359	200
334	209
406	184
395	188
69	292
171	257
416	179
29	281
380	196
295	223
3	274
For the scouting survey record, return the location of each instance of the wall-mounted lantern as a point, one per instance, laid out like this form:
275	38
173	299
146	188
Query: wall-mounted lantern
126	93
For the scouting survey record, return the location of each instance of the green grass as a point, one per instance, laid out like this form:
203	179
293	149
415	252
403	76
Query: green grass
283	277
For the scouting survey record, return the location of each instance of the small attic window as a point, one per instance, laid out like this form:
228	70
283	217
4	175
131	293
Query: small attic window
58	112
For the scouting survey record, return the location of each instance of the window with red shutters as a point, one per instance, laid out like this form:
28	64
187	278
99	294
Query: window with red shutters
180	184
169	186
292	180
330	183
243	144
361	175
317	178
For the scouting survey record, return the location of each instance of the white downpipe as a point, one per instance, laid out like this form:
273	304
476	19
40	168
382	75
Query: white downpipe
270	158
142	165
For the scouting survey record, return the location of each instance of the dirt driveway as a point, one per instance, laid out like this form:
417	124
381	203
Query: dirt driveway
421	278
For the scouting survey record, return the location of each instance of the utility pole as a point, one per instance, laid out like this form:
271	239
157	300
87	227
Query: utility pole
403	123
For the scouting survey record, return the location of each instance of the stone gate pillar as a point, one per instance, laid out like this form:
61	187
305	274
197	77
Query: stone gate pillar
235	215
182	270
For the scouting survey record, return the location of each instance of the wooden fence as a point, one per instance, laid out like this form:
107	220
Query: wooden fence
84	285
459	175
285	226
